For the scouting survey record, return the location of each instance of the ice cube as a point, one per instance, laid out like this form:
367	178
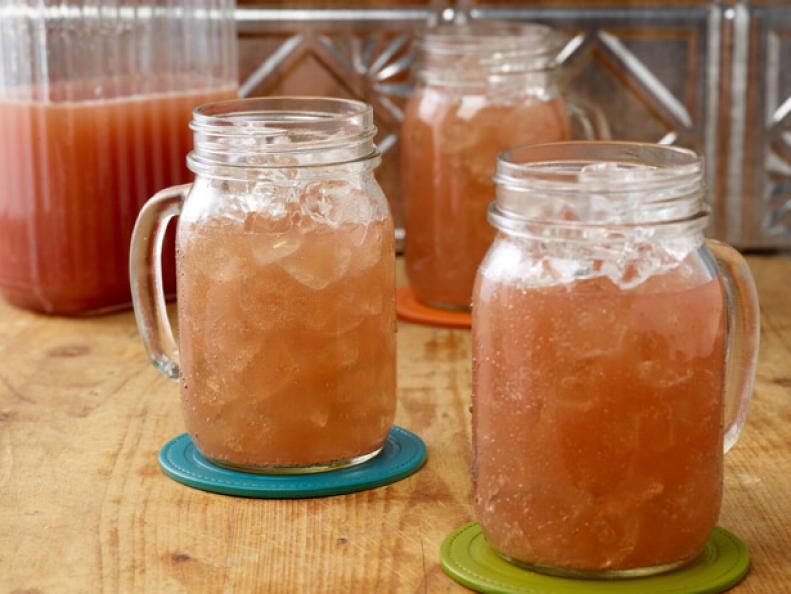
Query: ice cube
319	414
270	247
225	266
267	306
633	266
608	176
315	275
566	270
334	202
275	367
276	200
615	173
240	357
278	167
357	385
342	351
678	249
338	315
327	320
456	134
370	247
370	302
357	234
320	262
269	190
230	346
481	166
664	374
228	208
228	186
617	531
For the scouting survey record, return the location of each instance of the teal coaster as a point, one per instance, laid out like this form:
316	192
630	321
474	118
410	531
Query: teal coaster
402	455
468	559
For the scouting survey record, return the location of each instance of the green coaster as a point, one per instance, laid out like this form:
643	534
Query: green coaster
467	558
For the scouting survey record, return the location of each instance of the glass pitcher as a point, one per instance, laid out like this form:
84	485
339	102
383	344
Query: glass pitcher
482	88
614	356
95	99
286	284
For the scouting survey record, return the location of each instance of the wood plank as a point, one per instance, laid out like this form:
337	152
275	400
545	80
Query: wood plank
84	507
757	493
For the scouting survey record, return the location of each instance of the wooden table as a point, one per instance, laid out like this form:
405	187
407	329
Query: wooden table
85	508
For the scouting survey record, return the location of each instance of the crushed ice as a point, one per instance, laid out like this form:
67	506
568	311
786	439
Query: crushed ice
530	263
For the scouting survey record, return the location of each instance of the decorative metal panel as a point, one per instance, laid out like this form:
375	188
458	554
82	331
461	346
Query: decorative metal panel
706	76
760	196
359	53
653	71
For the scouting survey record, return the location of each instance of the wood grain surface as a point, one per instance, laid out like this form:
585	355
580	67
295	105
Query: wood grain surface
85	508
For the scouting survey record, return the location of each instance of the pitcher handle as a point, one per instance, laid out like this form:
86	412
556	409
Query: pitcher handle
743	337
145	275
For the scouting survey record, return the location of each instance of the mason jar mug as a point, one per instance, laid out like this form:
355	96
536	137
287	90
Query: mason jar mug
286	280
482	88
614	355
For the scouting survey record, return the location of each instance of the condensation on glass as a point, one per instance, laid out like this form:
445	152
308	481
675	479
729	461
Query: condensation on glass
483	88
95	98
286	292
614	354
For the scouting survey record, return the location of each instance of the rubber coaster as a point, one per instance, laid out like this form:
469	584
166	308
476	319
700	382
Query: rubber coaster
402	455
468	559
410	309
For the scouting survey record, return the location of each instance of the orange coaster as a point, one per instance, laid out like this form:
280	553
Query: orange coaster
410	309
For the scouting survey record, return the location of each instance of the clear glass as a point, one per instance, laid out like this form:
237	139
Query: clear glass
95	99
614	352
286	286
484	87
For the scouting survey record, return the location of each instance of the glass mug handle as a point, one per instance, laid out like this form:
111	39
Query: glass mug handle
145	276
590	118
743	337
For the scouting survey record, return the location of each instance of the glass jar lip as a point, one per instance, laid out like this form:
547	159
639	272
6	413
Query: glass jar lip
269	115
556	167
574	231
502	47
456	38
604	185
309	131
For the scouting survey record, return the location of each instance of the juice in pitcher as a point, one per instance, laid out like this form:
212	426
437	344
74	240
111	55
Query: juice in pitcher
73	176
95	102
